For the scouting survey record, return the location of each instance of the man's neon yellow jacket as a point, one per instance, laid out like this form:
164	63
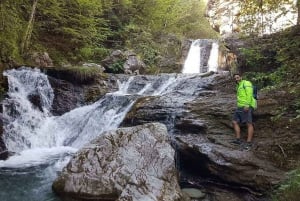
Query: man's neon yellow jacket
245	95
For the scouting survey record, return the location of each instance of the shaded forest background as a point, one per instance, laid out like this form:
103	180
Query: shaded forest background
80	30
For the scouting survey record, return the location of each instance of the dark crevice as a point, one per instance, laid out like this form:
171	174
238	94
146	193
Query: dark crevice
195	173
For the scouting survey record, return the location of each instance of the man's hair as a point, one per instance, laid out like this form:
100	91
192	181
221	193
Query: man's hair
239	74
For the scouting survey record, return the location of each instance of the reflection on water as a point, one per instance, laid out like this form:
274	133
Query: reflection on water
28	184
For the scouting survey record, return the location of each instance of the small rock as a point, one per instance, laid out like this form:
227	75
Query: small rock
194	193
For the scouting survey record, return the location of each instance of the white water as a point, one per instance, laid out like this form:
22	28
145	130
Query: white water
37	136
21	130
41	156
43	144
193	63
214	57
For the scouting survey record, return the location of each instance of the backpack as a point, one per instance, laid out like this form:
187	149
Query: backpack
255	92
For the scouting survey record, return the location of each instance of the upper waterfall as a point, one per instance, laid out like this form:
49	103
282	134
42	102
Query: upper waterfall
192	62
202	57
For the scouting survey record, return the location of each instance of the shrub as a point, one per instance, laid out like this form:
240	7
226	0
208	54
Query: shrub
117	67
289	190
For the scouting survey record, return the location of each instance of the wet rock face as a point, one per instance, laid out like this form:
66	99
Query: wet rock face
212	153
3	149
238	167
67	96
168	108
35	99
203	132
135	163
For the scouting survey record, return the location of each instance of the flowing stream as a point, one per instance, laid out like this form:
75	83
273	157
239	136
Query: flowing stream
43	144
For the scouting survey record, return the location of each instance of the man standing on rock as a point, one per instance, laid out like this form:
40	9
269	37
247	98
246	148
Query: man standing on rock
246	103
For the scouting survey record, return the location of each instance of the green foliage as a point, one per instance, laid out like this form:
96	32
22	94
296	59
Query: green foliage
255	15
278	72
86	52
153	70
289	190
76	30
297	108
99	53
142	42
278	54
12	23
117	67
261	80
75	25
78	74
149	54
253	55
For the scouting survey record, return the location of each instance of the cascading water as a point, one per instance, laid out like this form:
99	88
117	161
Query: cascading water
22	116
213	57
43	143
192	62
202	57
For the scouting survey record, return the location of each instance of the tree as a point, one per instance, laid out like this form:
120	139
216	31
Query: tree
29	28
74	27
298	9
259	16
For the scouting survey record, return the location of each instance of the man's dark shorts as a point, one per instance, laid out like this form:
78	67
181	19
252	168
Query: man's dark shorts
242	116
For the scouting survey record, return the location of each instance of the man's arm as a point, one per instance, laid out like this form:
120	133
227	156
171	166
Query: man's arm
249	92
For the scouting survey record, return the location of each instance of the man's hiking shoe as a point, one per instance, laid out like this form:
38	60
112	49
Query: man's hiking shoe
236	141
247	146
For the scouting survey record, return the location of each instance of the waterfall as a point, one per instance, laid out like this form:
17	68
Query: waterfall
43	143
192	62
36	131
202	57
23	117
213	57
29	128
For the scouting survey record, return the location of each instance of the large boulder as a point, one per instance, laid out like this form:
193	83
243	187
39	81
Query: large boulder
134	163
133	64
123	62
114	62
238	167
42	59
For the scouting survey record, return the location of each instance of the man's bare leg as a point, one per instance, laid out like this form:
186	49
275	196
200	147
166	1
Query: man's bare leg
250	132
237	129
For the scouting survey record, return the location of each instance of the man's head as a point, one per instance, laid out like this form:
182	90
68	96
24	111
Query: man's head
237	77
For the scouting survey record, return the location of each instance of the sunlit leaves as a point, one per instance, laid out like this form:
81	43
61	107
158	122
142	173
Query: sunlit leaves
261	16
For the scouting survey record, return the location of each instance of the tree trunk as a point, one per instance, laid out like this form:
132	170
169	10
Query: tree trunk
298	7
27	35
2	16
260	5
